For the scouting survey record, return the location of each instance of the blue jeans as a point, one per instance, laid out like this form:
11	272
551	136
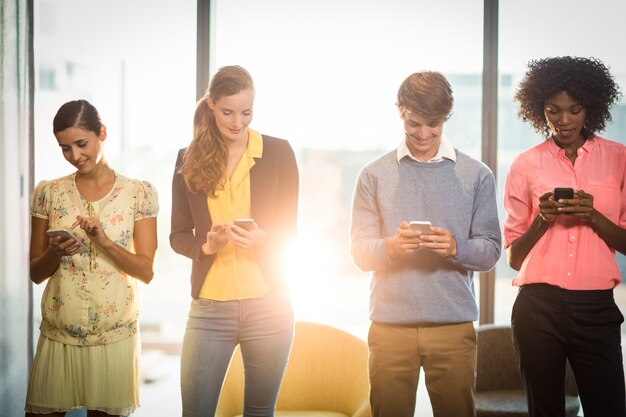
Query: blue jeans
264	329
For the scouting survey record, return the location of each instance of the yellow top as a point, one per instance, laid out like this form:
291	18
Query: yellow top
235	274
88	300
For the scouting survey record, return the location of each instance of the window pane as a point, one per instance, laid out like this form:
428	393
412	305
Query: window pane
326	75
557	31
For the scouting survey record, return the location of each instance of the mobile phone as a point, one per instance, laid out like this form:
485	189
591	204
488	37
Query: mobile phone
563	193
421	226
246	224
66	234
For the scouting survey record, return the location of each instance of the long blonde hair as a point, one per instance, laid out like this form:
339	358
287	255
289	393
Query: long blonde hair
205	160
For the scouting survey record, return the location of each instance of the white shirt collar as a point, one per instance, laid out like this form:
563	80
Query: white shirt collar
445	151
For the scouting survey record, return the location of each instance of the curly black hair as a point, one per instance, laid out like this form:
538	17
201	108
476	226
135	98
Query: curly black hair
586	80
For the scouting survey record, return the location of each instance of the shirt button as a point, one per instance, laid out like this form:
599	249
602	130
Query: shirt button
571	255
569	274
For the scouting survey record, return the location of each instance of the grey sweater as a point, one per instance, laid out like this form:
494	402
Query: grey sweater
424	287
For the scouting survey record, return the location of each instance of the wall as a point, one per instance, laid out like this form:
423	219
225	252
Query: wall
15	138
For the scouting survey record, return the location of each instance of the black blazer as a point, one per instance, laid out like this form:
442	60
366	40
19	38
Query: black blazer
274	205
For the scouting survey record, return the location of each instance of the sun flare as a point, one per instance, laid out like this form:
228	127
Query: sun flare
311	263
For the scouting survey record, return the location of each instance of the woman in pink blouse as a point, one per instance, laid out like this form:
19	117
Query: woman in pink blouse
563	246
88	352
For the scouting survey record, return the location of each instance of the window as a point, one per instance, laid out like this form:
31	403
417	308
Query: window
326	76
47	79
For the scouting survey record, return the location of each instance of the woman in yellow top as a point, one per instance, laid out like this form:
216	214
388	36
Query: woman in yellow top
87	354
229	172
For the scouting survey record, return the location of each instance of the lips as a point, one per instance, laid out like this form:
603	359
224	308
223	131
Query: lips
80	164
419	141
566	133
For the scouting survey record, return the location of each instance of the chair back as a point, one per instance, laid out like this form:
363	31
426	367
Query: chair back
326	371
496	367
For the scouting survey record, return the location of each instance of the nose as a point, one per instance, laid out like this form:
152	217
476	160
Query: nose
237	121
421	131
75	152
563	119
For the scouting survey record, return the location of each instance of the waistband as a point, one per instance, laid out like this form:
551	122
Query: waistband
552	290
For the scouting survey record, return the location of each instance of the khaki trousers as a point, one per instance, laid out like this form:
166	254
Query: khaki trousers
447	353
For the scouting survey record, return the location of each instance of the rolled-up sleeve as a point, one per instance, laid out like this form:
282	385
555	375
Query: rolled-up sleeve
517	203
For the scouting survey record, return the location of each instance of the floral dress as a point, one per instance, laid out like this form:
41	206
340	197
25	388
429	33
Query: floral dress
89	301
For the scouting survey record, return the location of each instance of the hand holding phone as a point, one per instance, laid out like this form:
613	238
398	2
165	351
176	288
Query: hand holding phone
65	235
420	226
253	236
246	224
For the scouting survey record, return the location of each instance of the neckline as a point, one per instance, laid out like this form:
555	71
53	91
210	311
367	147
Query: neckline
104	197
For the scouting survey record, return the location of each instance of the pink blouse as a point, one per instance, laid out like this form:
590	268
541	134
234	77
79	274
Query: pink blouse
570	254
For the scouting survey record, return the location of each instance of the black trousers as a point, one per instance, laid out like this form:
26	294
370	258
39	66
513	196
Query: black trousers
552	325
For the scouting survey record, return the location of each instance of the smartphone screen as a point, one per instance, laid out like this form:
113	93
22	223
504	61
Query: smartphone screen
66	234
563	193
246	224
421	226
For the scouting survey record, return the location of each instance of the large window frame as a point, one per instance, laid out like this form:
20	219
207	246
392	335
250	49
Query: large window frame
205	50
490	80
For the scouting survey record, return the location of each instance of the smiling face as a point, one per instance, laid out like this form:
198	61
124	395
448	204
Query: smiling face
566	118
233	114
81	148
423	137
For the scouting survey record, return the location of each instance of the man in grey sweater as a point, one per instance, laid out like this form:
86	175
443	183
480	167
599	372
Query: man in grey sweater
422	302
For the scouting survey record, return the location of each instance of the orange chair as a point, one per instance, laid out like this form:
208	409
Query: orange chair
326	376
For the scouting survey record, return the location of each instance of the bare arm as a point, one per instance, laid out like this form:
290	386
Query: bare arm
46	253
612	234
139	264
43	260
519	249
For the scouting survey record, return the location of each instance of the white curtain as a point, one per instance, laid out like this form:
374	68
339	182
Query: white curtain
16	138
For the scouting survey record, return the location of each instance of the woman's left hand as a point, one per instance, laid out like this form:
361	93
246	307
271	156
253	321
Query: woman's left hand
243	238
93	229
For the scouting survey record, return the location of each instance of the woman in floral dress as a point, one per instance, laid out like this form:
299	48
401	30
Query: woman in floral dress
88	350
